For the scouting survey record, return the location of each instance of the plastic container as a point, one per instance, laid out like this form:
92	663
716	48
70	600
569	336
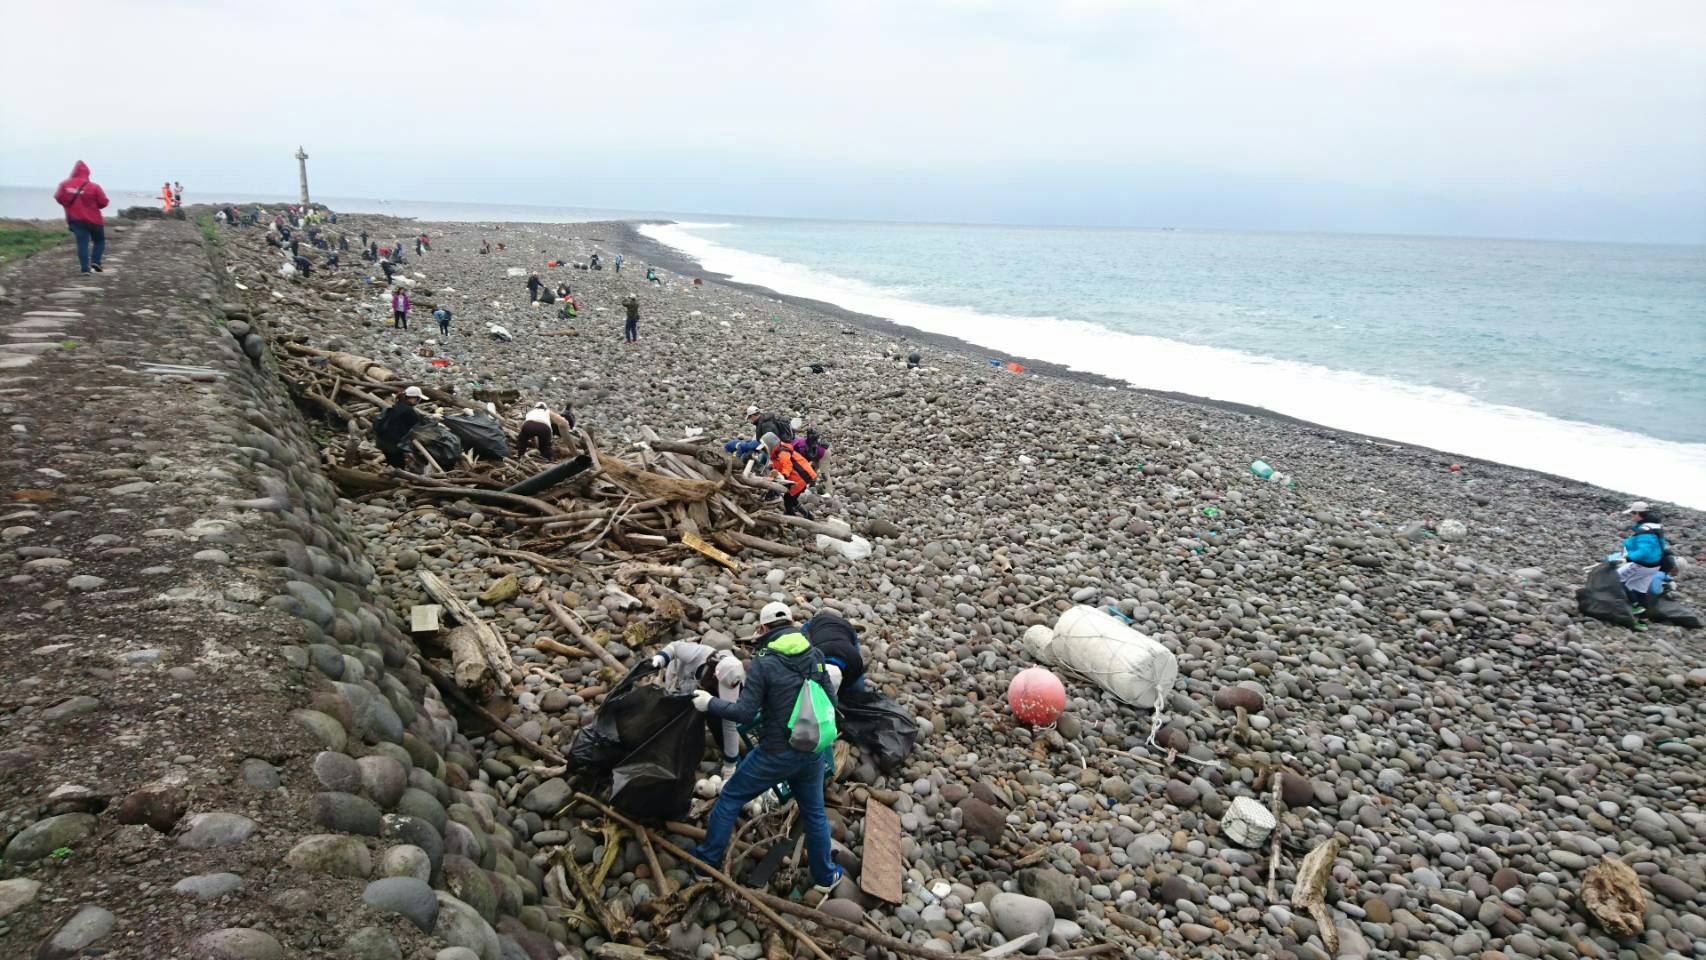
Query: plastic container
1247	823
1261	469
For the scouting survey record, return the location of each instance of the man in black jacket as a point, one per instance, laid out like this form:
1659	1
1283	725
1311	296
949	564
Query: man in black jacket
394	425
785	662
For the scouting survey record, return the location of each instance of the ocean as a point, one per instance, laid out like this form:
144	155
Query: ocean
1584	360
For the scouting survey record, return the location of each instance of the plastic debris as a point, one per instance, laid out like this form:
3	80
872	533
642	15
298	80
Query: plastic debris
1036	696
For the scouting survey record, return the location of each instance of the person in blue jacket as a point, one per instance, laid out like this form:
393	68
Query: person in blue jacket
785	662
1645	557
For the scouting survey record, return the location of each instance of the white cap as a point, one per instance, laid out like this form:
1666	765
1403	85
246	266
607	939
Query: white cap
1639	506
414	392
752	410
774	612
540	406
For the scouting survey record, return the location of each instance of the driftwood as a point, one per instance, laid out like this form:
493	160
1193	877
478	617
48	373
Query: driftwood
492	647
468	662
450	689
1310	890
582	636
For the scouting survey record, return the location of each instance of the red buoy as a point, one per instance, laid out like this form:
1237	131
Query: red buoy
1036	696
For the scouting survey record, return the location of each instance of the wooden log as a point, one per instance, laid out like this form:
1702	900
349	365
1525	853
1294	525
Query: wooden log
759	543
562	649
439	488
468	662
495	650
830	530
450	689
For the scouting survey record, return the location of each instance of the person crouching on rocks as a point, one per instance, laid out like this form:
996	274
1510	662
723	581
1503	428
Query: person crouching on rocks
536	428
443	316
395	424
688	666
784	664
794	469
1646	558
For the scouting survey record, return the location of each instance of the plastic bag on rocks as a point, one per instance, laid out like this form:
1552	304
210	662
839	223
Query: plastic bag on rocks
877	724
438	441
1668	610
1603	598
481	434
648	742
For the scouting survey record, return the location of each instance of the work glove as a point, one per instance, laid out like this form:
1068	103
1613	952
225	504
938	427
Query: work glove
701	701
728	770
658	660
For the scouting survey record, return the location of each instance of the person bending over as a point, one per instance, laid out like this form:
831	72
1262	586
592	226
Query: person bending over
785	663
688	666
795	471
536	428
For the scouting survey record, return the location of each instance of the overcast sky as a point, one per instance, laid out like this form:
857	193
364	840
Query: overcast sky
1553	119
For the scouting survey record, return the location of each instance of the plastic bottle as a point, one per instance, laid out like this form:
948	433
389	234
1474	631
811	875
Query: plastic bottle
1261	469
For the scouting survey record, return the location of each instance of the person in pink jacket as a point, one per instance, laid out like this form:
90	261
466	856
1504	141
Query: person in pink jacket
83	199
399	309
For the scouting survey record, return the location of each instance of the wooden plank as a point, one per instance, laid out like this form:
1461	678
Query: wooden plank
423	617
704	546
880	876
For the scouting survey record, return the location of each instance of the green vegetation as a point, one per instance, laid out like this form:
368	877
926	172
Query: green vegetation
205	222
61	853
16	243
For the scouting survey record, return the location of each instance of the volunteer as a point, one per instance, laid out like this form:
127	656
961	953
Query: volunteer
795	471
535	428
688	666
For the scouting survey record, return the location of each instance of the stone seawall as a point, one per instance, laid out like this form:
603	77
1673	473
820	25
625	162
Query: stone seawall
216	740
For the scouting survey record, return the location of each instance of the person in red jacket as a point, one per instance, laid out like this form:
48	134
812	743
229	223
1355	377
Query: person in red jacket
794	469
83	199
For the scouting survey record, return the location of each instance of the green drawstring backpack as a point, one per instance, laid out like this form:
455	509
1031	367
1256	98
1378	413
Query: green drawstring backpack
811	727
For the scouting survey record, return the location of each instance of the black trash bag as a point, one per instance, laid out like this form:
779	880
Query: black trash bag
649	743
877	724
481	434
1604	598
1667	610
439	442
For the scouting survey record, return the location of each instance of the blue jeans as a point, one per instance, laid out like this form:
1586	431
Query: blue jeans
87	234
758	771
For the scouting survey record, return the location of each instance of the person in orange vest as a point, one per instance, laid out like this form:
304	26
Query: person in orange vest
794	469
166	196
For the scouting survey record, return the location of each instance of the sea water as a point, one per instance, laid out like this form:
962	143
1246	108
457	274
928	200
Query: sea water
1579	359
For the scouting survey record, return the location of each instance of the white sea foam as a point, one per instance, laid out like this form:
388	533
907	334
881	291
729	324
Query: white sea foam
1379	406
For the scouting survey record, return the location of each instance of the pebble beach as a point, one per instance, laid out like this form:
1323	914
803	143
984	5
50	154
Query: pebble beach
1425	686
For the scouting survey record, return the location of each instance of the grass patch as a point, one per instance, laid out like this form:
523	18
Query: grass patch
16	243
205	222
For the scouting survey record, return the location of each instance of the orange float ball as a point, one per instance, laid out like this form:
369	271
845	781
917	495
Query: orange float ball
1036	697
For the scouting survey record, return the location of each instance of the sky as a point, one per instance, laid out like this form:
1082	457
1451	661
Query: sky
1557	119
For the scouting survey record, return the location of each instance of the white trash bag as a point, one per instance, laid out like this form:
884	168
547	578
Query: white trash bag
1120	660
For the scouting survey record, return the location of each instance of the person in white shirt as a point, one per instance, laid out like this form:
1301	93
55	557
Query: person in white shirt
688	666
536	427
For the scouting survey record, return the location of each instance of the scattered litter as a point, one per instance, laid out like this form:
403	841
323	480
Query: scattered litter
1247	823
1122	661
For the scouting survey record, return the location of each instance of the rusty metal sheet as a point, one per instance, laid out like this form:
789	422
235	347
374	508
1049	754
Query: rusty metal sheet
880	876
